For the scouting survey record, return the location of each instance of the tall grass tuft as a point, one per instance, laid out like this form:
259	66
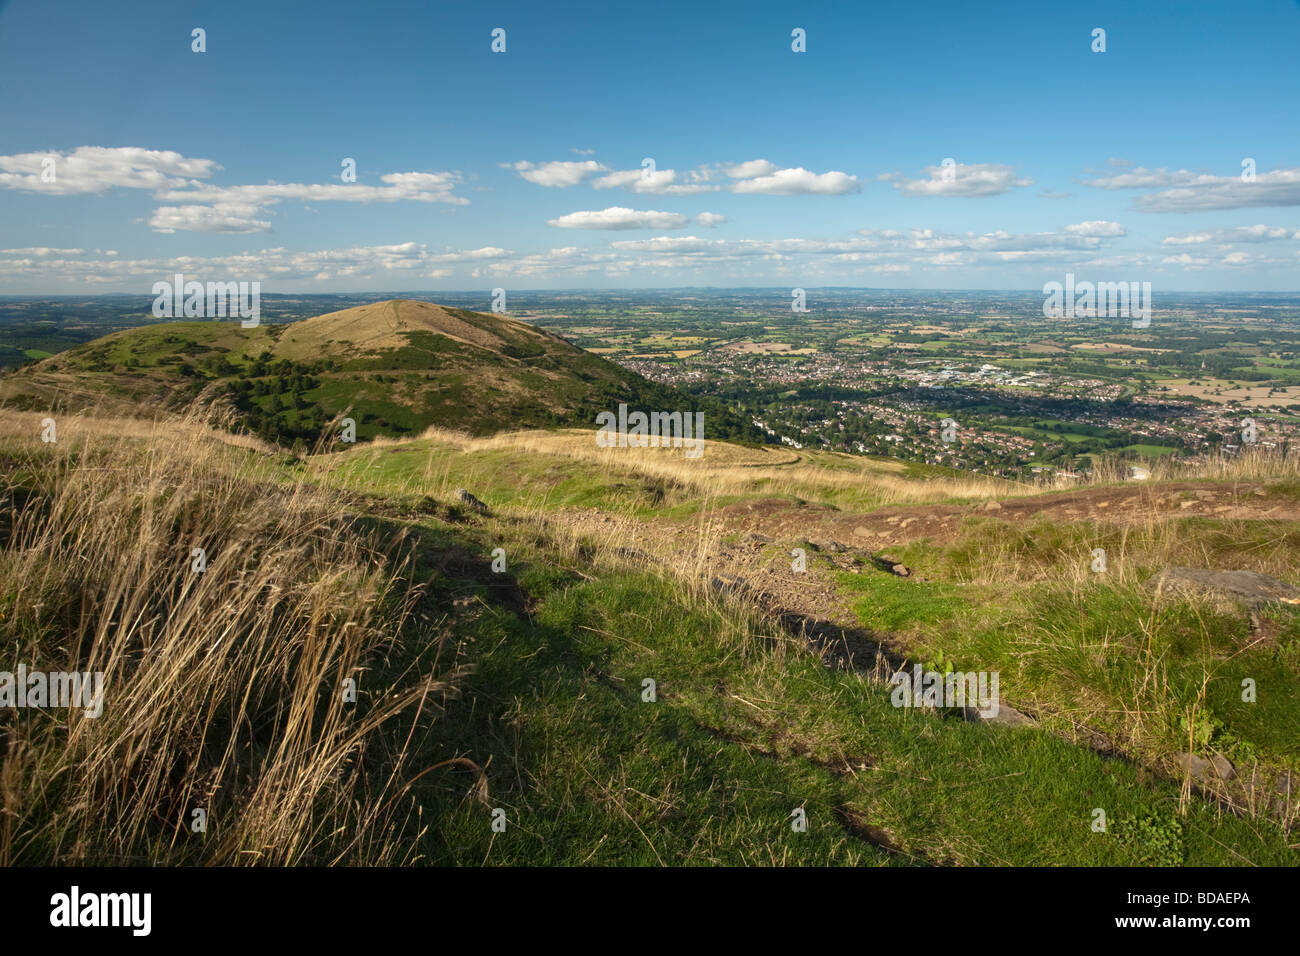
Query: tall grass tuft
223	689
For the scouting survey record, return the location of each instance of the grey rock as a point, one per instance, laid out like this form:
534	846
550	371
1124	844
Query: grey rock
1204	770
902	570
1223	767
1250	588
1007	716
467	499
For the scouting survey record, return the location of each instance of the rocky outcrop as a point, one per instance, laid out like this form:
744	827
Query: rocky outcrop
1249	588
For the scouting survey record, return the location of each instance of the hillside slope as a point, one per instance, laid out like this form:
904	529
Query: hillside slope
396	367
519	690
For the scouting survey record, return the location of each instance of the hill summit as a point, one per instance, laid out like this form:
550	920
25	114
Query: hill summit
396	367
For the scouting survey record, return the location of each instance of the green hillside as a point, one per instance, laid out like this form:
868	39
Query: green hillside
395	367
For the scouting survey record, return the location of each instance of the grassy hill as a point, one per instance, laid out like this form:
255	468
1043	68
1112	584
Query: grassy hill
521	688
395	367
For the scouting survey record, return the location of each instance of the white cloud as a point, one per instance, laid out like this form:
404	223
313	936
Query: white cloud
97	169
44	252
1183	259
1143	178
559	174
680	258
470	255
1259	233
750	169
1096	227
1184	191
959	179
657	181
195	206
619	217
796	182
710	219
409	187
235	209
230	218
757	176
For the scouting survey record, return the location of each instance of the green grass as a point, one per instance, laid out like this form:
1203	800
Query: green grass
1101	650
750	725
1149	451
746	728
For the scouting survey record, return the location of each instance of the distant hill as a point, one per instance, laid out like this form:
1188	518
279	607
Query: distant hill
400	366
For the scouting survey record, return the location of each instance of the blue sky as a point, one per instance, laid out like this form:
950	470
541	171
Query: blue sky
524	169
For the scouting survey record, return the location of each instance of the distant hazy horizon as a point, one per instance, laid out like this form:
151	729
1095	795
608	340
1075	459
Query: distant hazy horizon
780	292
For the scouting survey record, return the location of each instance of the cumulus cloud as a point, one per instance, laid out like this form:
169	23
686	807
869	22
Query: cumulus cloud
1084	236
97	169
196	206
410	187
1259	233
750	169
230	218
791	182
960	179
1096	227
1184	191
1184	259
666	182
879	248
1143	178
559	174
709	219
619	217
1082	245
44	252
755	176
764	177
235	209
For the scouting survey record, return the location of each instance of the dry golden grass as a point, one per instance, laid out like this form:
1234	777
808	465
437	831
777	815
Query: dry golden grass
376	327
727	470
1257	464
74	428
223	689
